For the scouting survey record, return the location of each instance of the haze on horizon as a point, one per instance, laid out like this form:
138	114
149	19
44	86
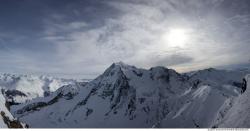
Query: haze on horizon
83	37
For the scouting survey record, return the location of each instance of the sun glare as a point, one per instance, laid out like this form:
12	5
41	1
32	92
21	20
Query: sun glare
176	37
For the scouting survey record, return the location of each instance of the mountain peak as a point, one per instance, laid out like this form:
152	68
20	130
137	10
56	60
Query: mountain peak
115	67
122	64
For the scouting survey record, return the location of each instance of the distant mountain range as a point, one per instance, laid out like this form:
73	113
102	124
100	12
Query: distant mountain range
124	97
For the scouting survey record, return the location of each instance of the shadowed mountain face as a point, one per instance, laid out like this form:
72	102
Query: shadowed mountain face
6	118
126	96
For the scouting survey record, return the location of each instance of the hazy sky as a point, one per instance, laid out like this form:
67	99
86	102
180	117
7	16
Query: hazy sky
83	37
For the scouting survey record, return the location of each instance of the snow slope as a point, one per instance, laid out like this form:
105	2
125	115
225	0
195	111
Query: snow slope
239	116
199	106
6	118
215	77
125	96
4	109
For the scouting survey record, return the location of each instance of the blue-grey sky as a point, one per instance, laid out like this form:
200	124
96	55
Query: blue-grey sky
80	38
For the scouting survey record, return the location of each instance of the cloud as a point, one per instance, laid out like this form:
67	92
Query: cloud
172	60
89	41
134	37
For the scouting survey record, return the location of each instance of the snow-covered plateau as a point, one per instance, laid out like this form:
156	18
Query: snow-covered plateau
128	97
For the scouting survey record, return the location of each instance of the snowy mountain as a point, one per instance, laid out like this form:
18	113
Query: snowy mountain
22	88
200	105
122	93
238	116
126	96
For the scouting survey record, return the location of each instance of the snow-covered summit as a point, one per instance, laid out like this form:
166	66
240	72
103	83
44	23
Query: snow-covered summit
127	96
123	94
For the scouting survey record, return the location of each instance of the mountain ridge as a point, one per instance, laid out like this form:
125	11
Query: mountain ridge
126	96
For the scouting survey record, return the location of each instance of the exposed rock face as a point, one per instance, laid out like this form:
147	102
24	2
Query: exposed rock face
6	119
12	123
244	85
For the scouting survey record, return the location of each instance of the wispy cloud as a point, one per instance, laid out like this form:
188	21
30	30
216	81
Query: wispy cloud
133	34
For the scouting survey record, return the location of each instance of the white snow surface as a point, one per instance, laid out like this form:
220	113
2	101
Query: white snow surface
239	115
126	96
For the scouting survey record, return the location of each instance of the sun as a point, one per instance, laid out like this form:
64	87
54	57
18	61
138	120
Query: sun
176	37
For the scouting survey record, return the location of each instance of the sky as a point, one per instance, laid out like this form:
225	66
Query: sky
81	38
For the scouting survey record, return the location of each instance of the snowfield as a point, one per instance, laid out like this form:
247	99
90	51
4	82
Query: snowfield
125	96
